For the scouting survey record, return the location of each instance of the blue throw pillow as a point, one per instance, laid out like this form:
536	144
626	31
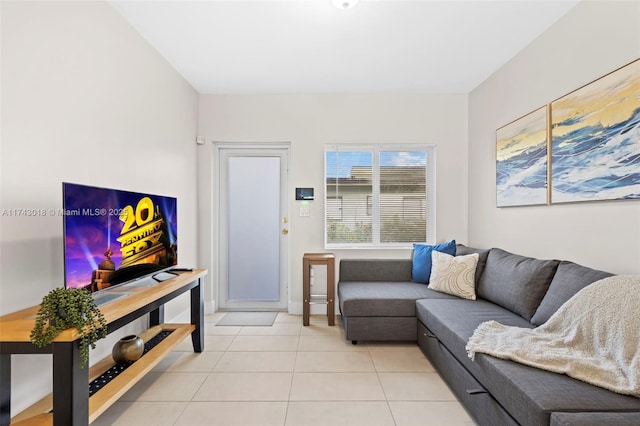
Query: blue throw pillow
421	269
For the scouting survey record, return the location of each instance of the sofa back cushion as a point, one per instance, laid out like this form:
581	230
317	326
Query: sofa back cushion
516	282
386	270
462	250
569	279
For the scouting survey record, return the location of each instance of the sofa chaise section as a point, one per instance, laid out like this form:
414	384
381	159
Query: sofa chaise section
530	395
377	299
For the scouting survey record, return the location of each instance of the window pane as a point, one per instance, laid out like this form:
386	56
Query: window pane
349	183
402	196
379	195
334	208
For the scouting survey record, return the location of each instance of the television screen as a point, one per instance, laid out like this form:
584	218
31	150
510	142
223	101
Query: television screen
113	236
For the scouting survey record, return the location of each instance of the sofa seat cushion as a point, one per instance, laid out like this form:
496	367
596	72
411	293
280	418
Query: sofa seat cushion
383	299
516	282
454	321
531	395
595	419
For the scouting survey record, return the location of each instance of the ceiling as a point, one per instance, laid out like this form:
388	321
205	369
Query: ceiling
310	46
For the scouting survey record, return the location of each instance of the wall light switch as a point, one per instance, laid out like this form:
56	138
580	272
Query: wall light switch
304	210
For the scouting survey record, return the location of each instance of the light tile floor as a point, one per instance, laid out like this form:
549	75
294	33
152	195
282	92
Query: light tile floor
289	375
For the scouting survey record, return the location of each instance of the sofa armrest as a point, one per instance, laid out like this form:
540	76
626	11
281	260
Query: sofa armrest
595	419
375	270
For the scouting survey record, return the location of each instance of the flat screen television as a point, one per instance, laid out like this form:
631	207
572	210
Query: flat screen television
112	236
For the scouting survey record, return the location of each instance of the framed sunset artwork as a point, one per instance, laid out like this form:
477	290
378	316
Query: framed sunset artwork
595	140
521	161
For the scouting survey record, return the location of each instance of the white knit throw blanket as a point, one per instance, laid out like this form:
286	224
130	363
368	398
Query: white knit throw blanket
593	337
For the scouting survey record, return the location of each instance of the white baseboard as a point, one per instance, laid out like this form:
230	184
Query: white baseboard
295	308
185	316
209	307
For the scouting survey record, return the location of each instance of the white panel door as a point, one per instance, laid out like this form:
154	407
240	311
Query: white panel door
253	229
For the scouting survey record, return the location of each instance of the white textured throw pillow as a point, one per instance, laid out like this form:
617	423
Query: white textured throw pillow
454	274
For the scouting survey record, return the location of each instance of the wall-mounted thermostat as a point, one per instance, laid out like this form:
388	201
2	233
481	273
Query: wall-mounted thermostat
304	193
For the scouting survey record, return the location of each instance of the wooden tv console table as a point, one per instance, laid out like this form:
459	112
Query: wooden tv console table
70	400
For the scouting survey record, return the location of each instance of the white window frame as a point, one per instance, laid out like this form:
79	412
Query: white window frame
430	190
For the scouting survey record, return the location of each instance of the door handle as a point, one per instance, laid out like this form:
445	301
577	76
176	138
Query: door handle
285	231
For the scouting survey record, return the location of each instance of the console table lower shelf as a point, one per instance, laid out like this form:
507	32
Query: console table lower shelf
40	413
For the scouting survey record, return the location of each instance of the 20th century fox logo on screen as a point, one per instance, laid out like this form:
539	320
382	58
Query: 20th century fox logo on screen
120	213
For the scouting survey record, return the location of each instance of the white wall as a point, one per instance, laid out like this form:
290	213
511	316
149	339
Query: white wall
593	39
309	122
84	99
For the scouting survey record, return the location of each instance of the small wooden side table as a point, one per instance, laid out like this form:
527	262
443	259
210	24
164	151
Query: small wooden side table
328	260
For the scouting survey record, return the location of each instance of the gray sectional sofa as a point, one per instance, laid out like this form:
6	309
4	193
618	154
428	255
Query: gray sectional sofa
379	302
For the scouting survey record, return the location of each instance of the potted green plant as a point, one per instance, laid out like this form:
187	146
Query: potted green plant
64	308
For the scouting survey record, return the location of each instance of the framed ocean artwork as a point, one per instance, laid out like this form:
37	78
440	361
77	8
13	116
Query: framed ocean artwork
521	161
595	139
